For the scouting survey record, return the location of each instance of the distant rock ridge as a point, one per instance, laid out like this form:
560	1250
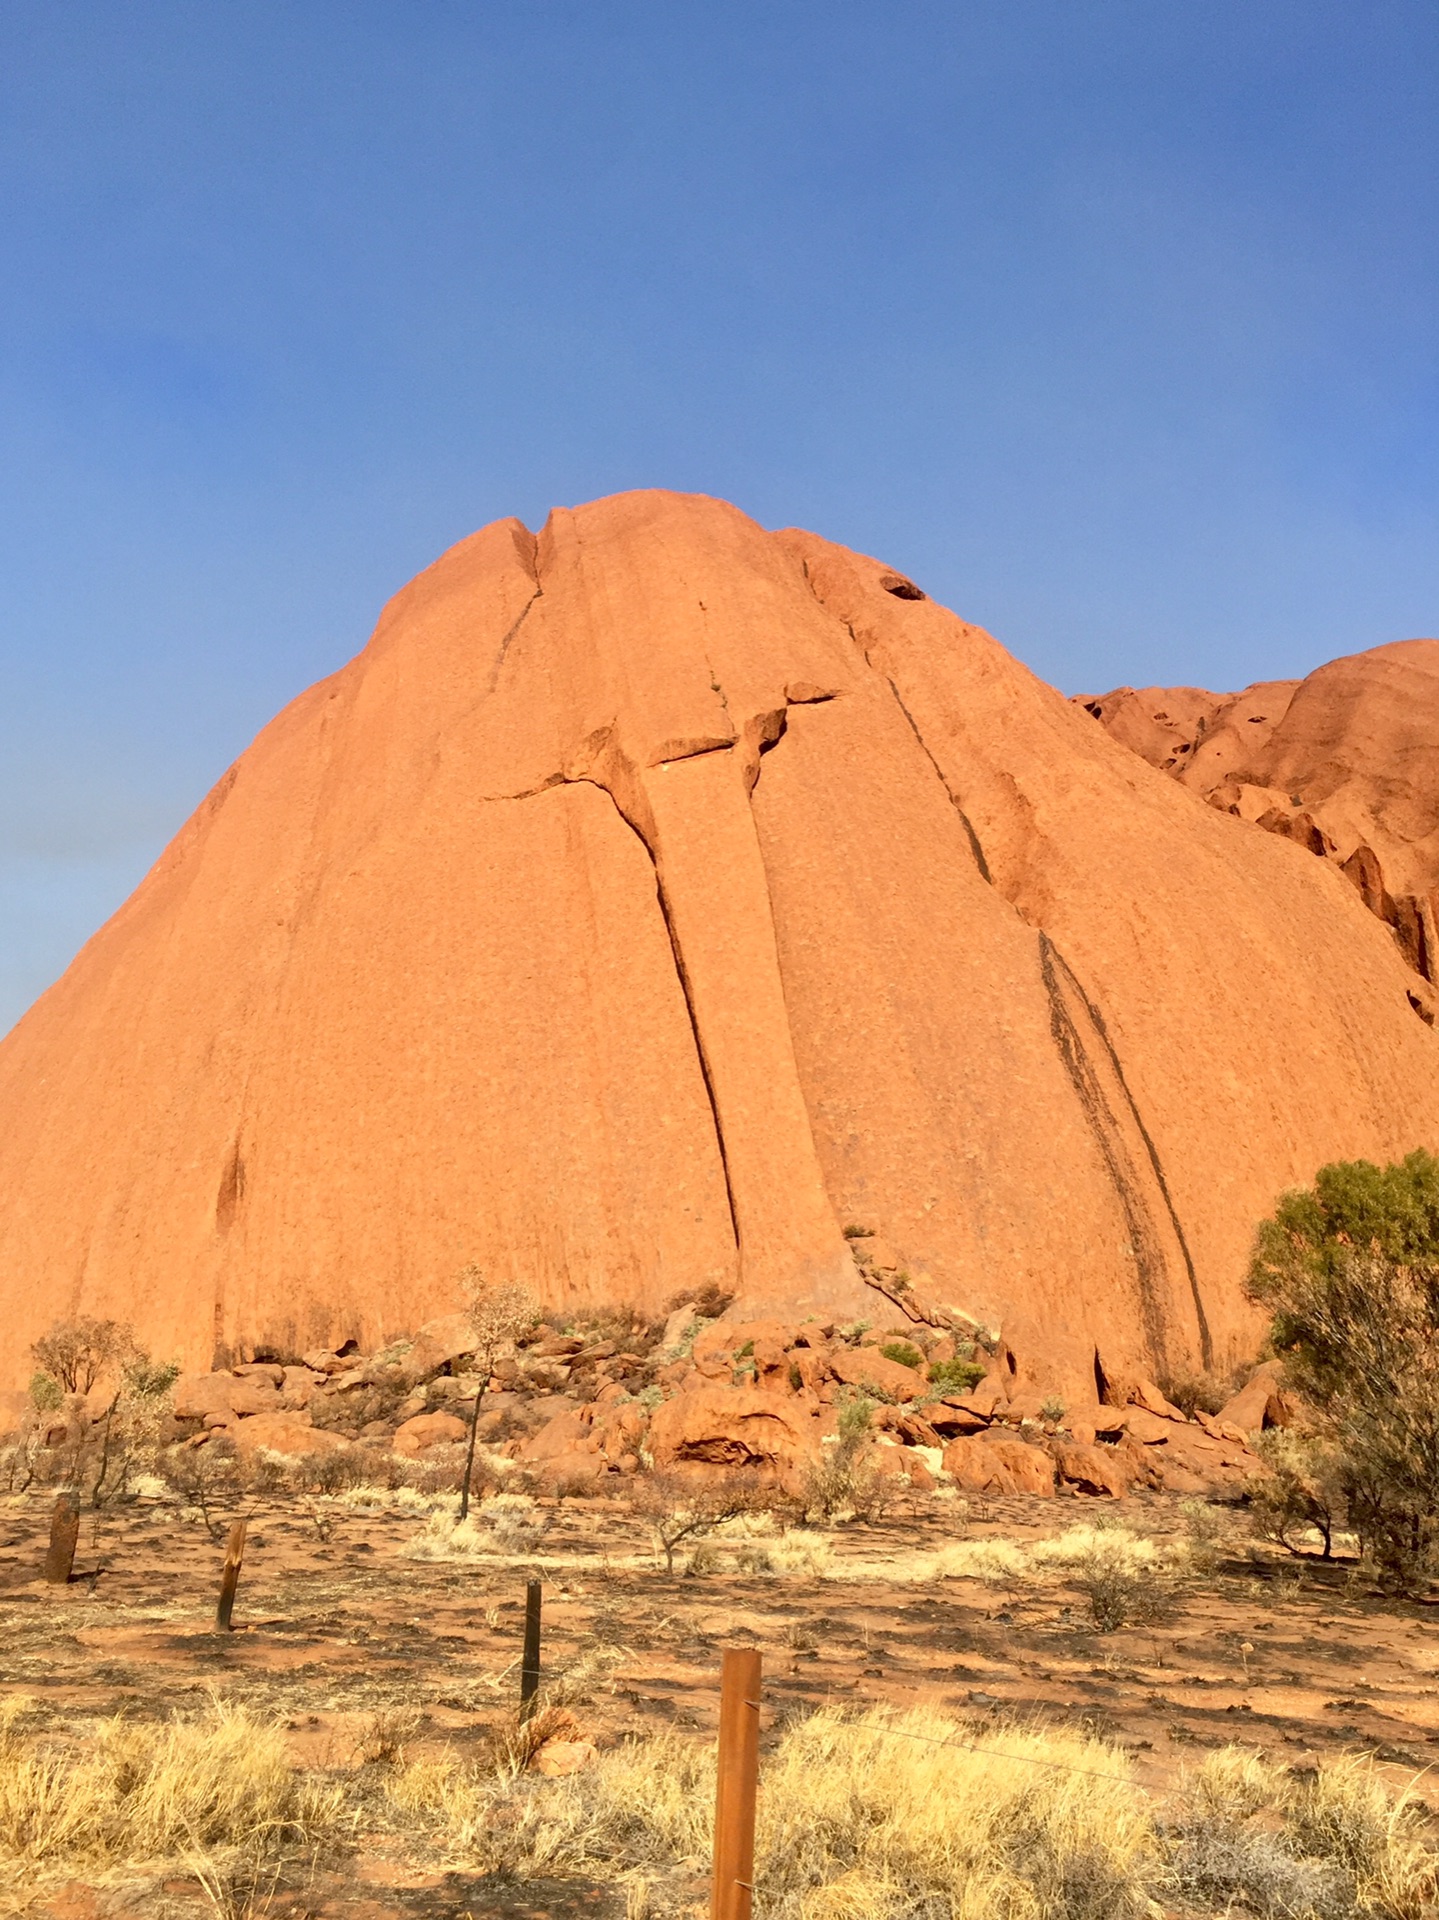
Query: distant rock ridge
651	901
1345	763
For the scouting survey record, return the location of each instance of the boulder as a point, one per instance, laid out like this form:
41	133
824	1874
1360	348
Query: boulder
1092	1469
1259	1403
1148	1428
300	1386
283	1433
903	1464
987	1397
999	1465
570	1471
563	1433
438	1343
1031	1468
428	1430
321	1360
952	1416
260	1370
556	1759
721	1347
198	1396
733	1427
867	1368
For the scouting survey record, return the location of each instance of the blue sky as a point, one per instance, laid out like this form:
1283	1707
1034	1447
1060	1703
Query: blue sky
1113	323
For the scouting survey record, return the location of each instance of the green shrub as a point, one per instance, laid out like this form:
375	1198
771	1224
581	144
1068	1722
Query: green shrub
903	1353
955	1376
1350	1272
45	1392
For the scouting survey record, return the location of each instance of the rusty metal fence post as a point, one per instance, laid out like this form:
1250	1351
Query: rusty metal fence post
230	1576
530	1660
64	1534
733	1891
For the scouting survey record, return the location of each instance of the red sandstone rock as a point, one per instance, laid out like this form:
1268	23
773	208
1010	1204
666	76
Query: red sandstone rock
557	930
733	1427
865	1367
438	1342
1259	1403
283	1433
1342	763
428	1430
993	1464
197	1395
1096	1470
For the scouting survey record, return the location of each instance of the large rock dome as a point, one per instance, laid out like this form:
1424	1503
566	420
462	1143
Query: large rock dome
651	900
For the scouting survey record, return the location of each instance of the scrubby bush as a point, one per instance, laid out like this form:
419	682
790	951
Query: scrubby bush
846	1478
1325	1843
76	1352
1350	1271
1301	1495
955	1376
499	1313
904	1353
679	1507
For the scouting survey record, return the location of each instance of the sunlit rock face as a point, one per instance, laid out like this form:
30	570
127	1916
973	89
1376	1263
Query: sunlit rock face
652	899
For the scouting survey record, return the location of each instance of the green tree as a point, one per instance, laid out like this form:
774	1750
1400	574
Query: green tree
1349	1270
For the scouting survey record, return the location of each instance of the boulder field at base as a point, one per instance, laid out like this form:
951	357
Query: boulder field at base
567	1413
652	900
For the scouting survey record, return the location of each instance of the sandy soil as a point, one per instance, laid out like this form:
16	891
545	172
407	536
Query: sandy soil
1295	1659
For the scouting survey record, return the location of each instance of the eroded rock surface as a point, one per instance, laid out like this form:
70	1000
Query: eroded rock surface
1344	763
651	900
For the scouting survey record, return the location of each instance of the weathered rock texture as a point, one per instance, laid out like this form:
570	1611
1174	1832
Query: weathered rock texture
650	900
1345	763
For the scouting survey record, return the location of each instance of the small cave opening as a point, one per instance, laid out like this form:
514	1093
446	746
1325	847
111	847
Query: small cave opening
901	588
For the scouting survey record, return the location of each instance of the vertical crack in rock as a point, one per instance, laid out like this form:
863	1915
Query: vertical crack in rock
232	1189
954	800
686	992
1151	1265
508	636
1206	1343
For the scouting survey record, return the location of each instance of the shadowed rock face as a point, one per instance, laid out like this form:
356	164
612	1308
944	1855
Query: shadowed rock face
649	901
1345	763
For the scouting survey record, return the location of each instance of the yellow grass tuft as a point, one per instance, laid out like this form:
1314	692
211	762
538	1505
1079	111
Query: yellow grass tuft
144	1792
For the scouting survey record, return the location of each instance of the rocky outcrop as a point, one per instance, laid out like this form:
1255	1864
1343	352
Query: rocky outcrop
1342	763
652	900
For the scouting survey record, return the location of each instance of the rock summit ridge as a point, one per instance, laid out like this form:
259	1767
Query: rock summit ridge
650	901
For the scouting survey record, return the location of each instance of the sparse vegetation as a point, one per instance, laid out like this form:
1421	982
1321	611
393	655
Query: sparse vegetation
959	1375
143	1792
499	1314
680	1508
904	1353
75	1353
846	1479
1350	1271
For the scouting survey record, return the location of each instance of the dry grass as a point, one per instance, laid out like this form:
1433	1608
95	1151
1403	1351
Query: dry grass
148	1792
875	1816
1309	1843
505	1526
881	1816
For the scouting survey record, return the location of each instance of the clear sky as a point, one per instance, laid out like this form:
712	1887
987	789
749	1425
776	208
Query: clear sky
1112	321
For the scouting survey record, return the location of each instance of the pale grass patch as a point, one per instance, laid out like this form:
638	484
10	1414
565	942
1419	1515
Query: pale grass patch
876	1816
992	1560
1317	1843
881	1816
143	1792
504	1526
444	1537
756	1543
